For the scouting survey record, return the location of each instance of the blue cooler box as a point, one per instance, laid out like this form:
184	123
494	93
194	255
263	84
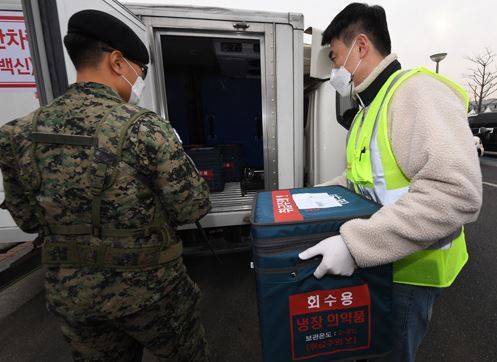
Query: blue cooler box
303	318
209	163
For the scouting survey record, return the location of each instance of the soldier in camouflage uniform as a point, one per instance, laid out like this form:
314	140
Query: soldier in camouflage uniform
105	183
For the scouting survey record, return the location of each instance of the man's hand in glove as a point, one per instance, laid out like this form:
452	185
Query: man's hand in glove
336	257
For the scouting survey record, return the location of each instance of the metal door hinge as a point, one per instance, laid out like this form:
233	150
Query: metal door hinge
241	26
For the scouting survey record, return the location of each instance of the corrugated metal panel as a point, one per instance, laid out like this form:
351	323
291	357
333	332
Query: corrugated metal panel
231	199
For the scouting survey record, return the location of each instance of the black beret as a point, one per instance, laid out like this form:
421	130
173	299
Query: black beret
111	31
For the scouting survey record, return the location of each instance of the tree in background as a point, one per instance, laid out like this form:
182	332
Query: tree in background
482	80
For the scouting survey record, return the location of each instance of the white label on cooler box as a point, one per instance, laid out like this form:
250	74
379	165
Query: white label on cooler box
315	201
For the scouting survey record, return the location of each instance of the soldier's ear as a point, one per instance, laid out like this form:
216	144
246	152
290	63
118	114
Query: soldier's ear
116	62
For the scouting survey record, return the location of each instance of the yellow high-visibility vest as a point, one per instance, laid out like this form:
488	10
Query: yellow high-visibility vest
372	170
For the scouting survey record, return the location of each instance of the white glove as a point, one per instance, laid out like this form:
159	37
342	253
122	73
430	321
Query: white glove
336	257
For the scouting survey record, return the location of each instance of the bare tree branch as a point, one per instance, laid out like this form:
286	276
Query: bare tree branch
482	77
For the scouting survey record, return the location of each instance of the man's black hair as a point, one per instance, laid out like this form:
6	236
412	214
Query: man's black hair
83	51
357	18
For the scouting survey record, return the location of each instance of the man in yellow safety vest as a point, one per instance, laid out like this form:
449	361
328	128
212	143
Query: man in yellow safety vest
410	149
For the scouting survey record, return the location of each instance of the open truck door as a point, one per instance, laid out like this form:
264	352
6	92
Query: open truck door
46	23
324	137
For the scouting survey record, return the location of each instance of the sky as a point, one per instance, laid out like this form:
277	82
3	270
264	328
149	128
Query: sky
418	28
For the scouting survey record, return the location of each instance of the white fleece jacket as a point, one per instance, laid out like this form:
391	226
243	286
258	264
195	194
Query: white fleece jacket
434	147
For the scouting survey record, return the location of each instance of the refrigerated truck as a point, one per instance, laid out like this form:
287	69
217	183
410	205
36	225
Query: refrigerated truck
220	76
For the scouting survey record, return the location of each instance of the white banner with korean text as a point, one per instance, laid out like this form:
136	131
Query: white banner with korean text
16	67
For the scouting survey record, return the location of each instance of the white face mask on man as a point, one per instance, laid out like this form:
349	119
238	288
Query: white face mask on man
341	78
136	88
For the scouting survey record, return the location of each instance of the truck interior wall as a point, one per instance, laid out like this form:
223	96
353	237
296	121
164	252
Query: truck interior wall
181	110
215	110
231	110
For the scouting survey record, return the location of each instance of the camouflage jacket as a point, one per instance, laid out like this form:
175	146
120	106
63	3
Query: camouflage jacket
156	168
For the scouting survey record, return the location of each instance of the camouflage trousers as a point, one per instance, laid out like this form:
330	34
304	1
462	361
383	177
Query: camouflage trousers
170	329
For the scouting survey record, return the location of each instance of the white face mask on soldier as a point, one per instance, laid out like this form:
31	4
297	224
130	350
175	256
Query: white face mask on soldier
136	88
341	79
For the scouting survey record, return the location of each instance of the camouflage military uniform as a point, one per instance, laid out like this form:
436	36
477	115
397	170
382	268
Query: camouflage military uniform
111	304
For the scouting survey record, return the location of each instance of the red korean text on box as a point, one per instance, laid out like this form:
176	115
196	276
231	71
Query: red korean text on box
284	207
321	311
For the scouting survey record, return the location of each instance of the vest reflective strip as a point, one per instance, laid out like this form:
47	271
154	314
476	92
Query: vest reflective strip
380	193
384	195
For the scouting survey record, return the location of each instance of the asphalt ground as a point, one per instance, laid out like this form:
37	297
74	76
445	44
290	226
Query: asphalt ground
463	327
464	324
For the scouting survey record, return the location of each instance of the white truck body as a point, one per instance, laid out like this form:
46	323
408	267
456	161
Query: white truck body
289	145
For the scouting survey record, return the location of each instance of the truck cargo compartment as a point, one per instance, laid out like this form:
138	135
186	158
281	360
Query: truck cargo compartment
213	92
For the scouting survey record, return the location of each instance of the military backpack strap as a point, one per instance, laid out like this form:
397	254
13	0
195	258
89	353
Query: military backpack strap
29	172
106	154
61	139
